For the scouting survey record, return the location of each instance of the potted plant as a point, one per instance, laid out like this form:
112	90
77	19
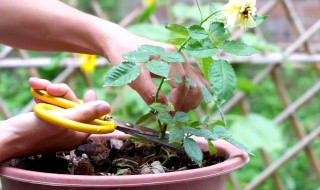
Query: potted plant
201	41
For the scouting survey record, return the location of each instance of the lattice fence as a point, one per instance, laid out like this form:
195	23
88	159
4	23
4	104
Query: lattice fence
300	48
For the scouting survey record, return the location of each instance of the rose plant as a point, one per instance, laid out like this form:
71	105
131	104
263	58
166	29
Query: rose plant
204	42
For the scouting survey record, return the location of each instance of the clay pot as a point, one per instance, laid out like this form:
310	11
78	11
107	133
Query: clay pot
207	178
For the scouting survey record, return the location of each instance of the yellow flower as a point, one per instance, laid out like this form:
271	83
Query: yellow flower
149	2
239	12
88	63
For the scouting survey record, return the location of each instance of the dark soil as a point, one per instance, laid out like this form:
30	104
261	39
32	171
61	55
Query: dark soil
112	157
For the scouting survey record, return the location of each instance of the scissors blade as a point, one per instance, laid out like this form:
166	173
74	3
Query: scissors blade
144	133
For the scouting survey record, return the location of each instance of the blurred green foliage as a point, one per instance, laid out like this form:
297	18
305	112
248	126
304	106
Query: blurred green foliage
262	99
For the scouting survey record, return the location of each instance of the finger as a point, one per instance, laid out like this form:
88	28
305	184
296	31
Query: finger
39	84
90	96
62	90
146	88
179	90
86	112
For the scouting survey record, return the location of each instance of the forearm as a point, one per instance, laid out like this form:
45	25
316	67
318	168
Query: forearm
50	25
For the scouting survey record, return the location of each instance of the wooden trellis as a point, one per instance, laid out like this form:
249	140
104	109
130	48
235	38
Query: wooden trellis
271	62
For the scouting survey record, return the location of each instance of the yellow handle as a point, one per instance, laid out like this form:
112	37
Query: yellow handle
97	126
44	111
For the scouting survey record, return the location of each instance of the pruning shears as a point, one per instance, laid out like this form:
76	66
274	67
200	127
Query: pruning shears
104	124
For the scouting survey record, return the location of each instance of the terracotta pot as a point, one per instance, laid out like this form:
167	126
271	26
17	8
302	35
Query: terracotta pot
207	178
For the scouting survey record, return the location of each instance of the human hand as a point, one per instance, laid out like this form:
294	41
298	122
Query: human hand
26	134
183	97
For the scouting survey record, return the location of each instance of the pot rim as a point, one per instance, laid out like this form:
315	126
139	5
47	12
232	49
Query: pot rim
235	159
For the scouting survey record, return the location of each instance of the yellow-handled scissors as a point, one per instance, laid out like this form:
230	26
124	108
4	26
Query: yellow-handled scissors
102	125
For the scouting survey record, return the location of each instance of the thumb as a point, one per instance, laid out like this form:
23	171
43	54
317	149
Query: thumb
86	112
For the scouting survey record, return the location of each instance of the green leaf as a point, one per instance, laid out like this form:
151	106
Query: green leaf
240	146
165	118
201	49
160	108
177	41
197	32
158	67
172	57
204	65
211	147
181	116
177	79
222	132
204	118
208	135
178	29
176	134
143	118
136	57
258	20
206	94
218	33
122	74
191	83
151	50
222	79
238	48
200	132
193	151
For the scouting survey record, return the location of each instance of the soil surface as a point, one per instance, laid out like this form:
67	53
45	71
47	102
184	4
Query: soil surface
112	157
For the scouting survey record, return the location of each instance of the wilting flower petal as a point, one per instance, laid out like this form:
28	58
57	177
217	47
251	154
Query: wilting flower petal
239	12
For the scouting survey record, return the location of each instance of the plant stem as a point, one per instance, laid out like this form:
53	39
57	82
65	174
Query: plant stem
156	98
199	10
204	20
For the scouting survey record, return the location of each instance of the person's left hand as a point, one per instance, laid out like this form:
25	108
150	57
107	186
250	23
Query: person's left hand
26	134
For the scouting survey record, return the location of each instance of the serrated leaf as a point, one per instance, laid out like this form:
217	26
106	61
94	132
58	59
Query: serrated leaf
181	116
136	57
211	147
177	79
193	151
204	65
240	146
222	132
160	108
222	79
206	94
158	67
208	135
197	32
218	33
178	29
165	118
172	57
122	74
176	134
143	118
191	83
176	41
238	48
201	49
151	50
